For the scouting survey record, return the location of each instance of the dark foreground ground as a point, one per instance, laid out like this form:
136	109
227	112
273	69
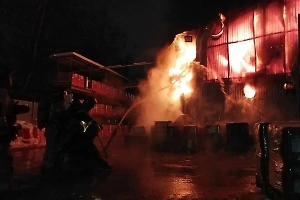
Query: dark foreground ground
139	174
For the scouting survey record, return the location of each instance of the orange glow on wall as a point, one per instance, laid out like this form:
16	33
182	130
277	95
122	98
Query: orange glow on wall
273	18
262	38
242	58
218	60
241	28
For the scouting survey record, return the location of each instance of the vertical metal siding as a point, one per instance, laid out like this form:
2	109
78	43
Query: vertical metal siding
276	45
275	42
274	18
217	62
291	50
258	22
241	28
241	57
211	92
267	104
236	91
221	40
259	46
270	53
292	10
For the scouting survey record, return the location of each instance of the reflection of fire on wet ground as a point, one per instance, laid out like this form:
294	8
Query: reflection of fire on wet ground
141	174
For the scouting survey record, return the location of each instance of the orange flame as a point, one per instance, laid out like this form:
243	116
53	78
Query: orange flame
249	91
181	73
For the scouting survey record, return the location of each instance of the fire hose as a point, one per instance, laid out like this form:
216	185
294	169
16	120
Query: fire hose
114	133
105	148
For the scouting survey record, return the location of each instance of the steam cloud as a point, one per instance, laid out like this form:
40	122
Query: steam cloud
229	105
157	90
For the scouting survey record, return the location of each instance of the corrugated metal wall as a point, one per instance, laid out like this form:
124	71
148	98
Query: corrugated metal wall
271	101
217	58
265	37
262	38
241	28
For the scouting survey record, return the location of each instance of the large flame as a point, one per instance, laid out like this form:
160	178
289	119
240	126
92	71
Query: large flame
174	65
181	72
241	61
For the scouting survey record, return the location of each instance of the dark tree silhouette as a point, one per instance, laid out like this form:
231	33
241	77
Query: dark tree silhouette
32	30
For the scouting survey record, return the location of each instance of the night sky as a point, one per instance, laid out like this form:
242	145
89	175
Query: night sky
150	24
110	32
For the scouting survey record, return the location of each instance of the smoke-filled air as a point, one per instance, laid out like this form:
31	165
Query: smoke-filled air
171	78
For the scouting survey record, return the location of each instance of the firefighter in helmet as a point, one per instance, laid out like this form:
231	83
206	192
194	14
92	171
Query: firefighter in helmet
77	143
50	112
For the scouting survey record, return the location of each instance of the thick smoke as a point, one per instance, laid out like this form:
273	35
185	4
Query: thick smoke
157	92
222	100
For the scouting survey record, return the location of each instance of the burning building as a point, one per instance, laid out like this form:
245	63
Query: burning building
239	68
251	61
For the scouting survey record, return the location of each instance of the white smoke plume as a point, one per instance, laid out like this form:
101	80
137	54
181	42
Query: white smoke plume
158	88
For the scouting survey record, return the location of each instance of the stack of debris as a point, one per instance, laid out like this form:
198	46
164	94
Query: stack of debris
237	137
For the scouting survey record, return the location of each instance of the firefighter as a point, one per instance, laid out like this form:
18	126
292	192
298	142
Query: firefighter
70	128
54	108
87	138
77	145
8	129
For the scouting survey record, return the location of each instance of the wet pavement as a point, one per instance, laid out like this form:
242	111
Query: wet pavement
139	174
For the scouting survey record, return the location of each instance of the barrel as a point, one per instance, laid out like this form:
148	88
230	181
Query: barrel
214	138
162	124
193	138
237	137
159	135
176	141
